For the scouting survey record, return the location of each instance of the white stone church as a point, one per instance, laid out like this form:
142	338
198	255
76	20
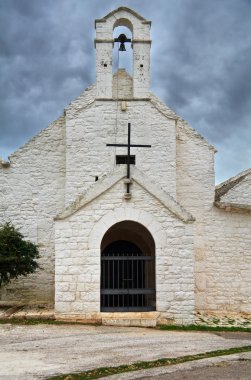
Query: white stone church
127	221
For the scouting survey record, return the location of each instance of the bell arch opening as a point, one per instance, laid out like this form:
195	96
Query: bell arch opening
127	269
122	56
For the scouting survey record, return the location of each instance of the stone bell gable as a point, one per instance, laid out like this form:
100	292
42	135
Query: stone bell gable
104	42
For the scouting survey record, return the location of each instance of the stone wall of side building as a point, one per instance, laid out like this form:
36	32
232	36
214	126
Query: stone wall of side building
223	270
222	238
32	193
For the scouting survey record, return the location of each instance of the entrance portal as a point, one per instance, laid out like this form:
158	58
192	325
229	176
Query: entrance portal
127	268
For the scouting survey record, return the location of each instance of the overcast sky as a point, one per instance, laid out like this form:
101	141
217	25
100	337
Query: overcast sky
200	66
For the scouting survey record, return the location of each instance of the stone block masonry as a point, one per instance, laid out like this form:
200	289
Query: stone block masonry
78	268
32	192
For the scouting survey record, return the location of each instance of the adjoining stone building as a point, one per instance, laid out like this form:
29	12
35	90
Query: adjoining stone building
160	239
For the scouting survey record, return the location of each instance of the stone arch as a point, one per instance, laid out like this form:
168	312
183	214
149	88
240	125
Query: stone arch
128	280
122	60
123	22
129	214
131	231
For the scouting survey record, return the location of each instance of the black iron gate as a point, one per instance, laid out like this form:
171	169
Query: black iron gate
127	278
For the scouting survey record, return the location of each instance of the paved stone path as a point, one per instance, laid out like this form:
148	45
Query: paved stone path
230	367
35	352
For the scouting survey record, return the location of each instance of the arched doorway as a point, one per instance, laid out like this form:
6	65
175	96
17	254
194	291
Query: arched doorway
128	268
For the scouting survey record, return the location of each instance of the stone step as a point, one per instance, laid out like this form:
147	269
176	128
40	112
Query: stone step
147	322
146	319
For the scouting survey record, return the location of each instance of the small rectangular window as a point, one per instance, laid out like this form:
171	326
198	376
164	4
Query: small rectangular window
122	160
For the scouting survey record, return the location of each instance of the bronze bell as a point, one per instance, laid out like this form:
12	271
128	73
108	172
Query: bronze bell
122	47
122	39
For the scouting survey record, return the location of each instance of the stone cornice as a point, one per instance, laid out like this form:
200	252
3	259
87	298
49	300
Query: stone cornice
123	98
163	197
3	163
168	113
229	206
123	9
141	41
95	190
141	179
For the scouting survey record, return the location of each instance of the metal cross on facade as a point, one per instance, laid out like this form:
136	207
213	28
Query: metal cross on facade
129	146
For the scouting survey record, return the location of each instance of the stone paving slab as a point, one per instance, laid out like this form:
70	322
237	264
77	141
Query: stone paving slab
38	351
26	312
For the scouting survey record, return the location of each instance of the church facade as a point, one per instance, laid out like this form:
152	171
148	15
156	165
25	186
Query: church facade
128	221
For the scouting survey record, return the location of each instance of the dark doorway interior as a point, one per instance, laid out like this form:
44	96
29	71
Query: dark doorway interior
127	270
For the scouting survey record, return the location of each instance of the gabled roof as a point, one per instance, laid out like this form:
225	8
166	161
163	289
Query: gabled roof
141	179
59	122
170	114
87	98
225	186
84	100
163	197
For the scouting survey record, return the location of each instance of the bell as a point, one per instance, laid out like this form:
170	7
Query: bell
122	39
122	47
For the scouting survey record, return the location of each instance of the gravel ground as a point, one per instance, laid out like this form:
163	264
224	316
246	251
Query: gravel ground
39	351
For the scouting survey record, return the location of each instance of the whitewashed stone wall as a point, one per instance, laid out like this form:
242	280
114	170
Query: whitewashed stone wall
141	69
104	69
78	253
223	268
195	171
91	128
122	85
222	239
31	194
195	191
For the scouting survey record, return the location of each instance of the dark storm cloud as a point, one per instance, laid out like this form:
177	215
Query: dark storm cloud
204	65
201	61
208	64
43	58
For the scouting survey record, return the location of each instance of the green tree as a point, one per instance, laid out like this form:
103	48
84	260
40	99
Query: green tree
17	256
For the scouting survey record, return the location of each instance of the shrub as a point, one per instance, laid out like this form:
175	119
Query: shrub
17	256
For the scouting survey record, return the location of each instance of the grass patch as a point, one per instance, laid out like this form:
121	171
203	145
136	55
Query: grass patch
108	371
205	328
37	321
